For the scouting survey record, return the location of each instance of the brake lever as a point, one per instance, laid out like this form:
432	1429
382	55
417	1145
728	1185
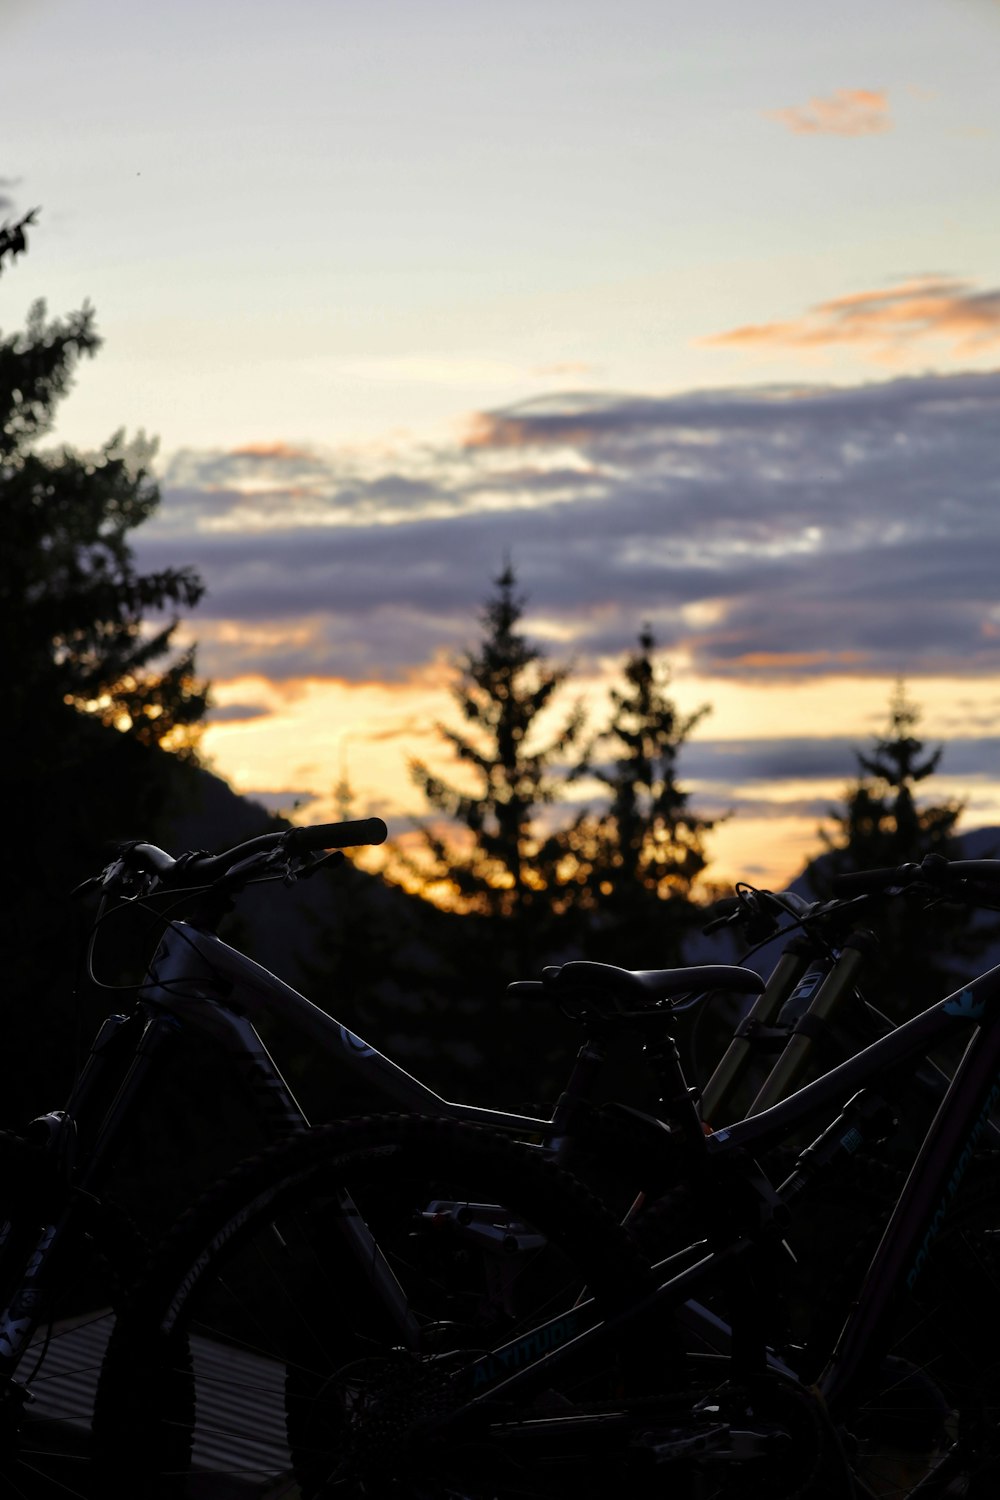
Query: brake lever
118	879
323	862
240	875
757	925
728	918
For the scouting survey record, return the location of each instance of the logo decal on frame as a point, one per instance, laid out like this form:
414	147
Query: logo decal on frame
965	1005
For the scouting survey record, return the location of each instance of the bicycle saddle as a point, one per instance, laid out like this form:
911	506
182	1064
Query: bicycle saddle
645	985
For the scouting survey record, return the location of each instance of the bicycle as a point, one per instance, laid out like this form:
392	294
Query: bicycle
57	1218
692	1380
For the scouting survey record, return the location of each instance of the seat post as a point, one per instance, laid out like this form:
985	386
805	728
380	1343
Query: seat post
677	1099
577	1095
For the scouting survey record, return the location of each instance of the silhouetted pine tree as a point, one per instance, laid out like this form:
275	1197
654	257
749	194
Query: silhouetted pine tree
71	596
881	822
503	866
494	862
638	860
925	951
13	240
79	654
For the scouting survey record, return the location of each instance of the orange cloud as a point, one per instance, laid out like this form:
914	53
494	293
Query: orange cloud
923	308
566	367
270	450
494	430
798	661
845	112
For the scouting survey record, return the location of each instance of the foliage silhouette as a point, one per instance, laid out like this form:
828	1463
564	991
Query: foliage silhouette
506	868
70	593
614	883
78	657
638	859
13	240
882	823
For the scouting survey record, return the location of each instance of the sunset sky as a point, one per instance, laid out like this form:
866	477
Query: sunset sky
693	311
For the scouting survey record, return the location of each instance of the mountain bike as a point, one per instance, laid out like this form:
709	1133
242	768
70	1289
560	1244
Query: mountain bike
67	1248
321	1291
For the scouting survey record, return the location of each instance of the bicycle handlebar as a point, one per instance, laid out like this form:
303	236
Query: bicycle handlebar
200	868
336	835
870	882
760	912
934	870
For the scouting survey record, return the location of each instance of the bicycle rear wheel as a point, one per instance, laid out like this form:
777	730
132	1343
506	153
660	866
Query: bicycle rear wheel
342	1291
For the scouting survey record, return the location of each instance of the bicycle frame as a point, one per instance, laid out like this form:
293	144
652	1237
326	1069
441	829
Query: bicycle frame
962	1119
197	982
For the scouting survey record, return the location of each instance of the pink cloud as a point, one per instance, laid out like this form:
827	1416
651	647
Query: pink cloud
887	320
567	367
844	112
271	450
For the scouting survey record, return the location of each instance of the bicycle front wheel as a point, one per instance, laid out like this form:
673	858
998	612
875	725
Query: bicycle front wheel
46	1400
300	1330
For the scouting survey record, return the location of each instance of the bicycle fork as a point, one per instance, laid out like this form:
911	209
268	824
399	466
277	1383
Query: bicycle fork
28	1289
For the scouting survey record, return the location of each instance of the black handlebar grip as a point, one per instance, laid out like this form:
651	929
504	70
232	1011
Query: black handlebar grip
987	870
867	882
337	835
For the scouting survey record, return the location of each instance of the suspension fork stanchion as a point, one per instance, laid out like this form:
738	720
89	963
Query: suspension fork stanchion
785	976
813	1021
115	1032
21	1317
158	1033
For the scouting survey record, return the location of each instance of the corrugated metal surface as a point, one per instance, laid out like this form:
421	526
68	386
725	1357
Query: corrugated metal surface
240	1426
67	1380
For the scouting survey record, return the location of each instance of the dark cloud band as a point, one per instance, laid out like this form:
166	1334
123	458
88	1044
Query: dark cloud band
770	533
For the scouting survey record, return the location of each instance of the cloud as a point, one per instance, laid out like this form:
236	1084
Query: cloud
743	762
283	452
237	713
566	367
815	809
282	803
844	112
888	320
408	728
812	758
769	534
